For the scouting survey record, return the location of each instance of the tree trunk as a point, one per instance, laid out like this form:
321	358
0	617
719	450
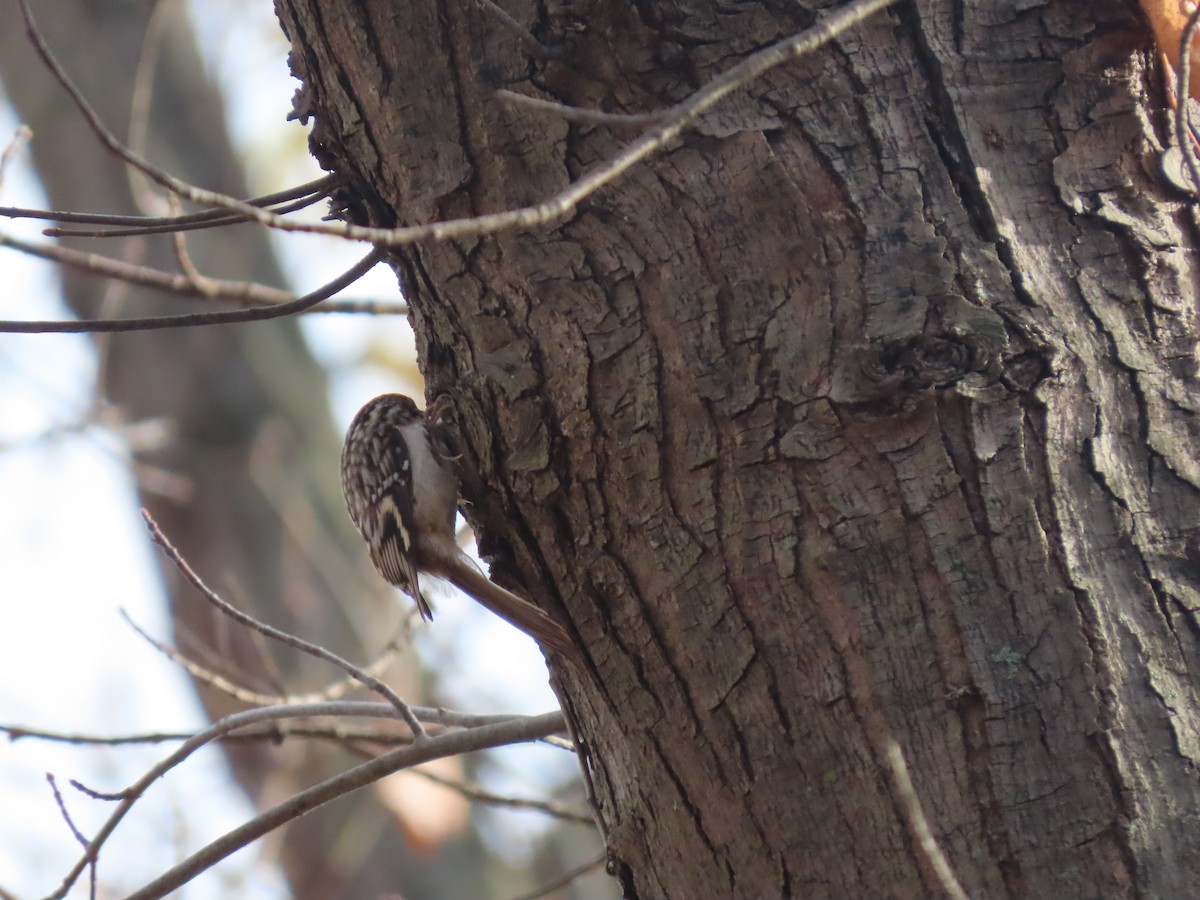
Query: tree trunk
867	410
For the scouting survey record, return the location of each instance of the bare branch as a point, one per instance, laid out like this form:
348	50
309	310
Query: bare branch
577	114
926	843
83	841
94	794
240	720
245	695
106	137
20	137
560	743
477	793
451	744
275	634
300	196
536	48
21	732
566	878
558	207
482	732
1183	112
141	96
62	808
431	716
188	320
206	286
243	292
186	222
334	733
360	307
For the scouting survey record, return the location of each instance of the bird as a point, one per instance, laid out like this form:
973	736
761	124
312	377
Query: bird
400	481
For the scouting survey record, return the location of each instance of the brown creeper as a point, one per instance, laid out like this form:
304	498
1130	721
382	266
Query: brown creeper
401	487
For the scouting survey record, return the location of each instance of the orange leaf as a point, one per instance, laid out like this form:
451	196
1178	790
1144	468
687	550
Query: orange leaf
1169	18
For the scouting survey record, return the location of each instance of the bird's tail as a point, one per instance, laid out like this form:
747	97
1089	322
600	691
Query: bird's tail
517	612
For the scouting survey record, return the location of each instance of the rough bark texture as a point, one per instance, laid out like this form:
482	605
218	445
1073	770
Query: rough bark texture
866	410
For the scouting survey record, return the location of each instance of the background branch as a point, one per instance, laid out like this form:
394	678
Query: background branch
275	634
192	320
453	744
673	122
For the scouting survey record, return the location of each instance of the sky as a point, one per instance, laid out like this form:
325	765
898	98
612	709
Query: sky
68	662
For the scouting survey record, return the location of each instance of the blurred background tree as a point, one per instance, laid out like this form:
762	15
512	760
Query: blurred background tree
228	432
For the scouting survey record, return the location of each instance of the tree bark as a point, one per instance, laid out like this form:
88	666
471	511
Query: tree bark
865	411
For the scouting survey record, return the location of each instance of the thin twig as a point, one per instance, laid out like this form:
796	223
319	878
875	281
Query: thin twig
558	207
184	222
359	307
430	715
477	793
260	646
20	137
276	734
83	841
310	192
242	694
189	320
106	137
94	794
245	293
1183	110
451	744
21	732
578	114
566	878
536	48
206	286
141	97
282	637
559	743
205	675
62	808
250	717
919	825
